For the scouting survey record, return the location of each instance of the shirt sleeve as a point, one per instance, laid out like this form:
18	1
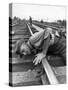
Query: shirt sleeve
37	38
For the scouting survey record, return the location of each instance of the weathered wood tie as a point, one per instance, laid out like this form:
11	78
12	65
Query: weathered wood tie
50	74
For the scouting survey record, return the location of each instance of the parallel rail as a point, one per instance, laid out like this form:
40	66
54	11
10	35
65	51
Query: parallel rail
53	27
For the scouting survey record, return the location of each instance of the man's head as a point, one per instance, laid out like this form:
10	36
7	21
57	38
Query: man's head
22	48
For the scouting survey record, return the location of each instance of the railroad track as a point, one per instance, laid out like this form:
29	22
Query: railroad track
23	72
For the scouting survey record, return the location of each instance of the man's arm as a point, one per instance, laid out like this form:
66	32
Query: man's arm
42	55
46	45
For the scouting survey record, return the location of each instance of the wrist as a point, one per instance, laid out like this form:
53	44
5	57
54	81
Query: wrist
44	55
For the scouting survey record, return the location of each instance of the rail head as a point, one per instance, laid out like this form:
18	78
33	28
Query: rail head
30	30
50	74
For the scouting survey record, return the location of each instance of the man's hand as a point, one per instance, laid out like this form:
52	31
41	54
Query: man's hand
38	58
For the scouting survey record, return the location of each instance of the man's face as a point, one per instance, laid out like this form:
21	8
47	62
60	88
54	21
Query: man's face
24	49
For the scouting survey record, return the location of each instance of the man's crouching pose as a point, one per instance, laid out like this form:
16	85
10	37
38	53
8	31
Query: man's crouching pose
43	43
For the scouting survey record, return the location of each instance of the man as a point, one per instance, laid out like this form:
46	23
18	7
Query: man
43	43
